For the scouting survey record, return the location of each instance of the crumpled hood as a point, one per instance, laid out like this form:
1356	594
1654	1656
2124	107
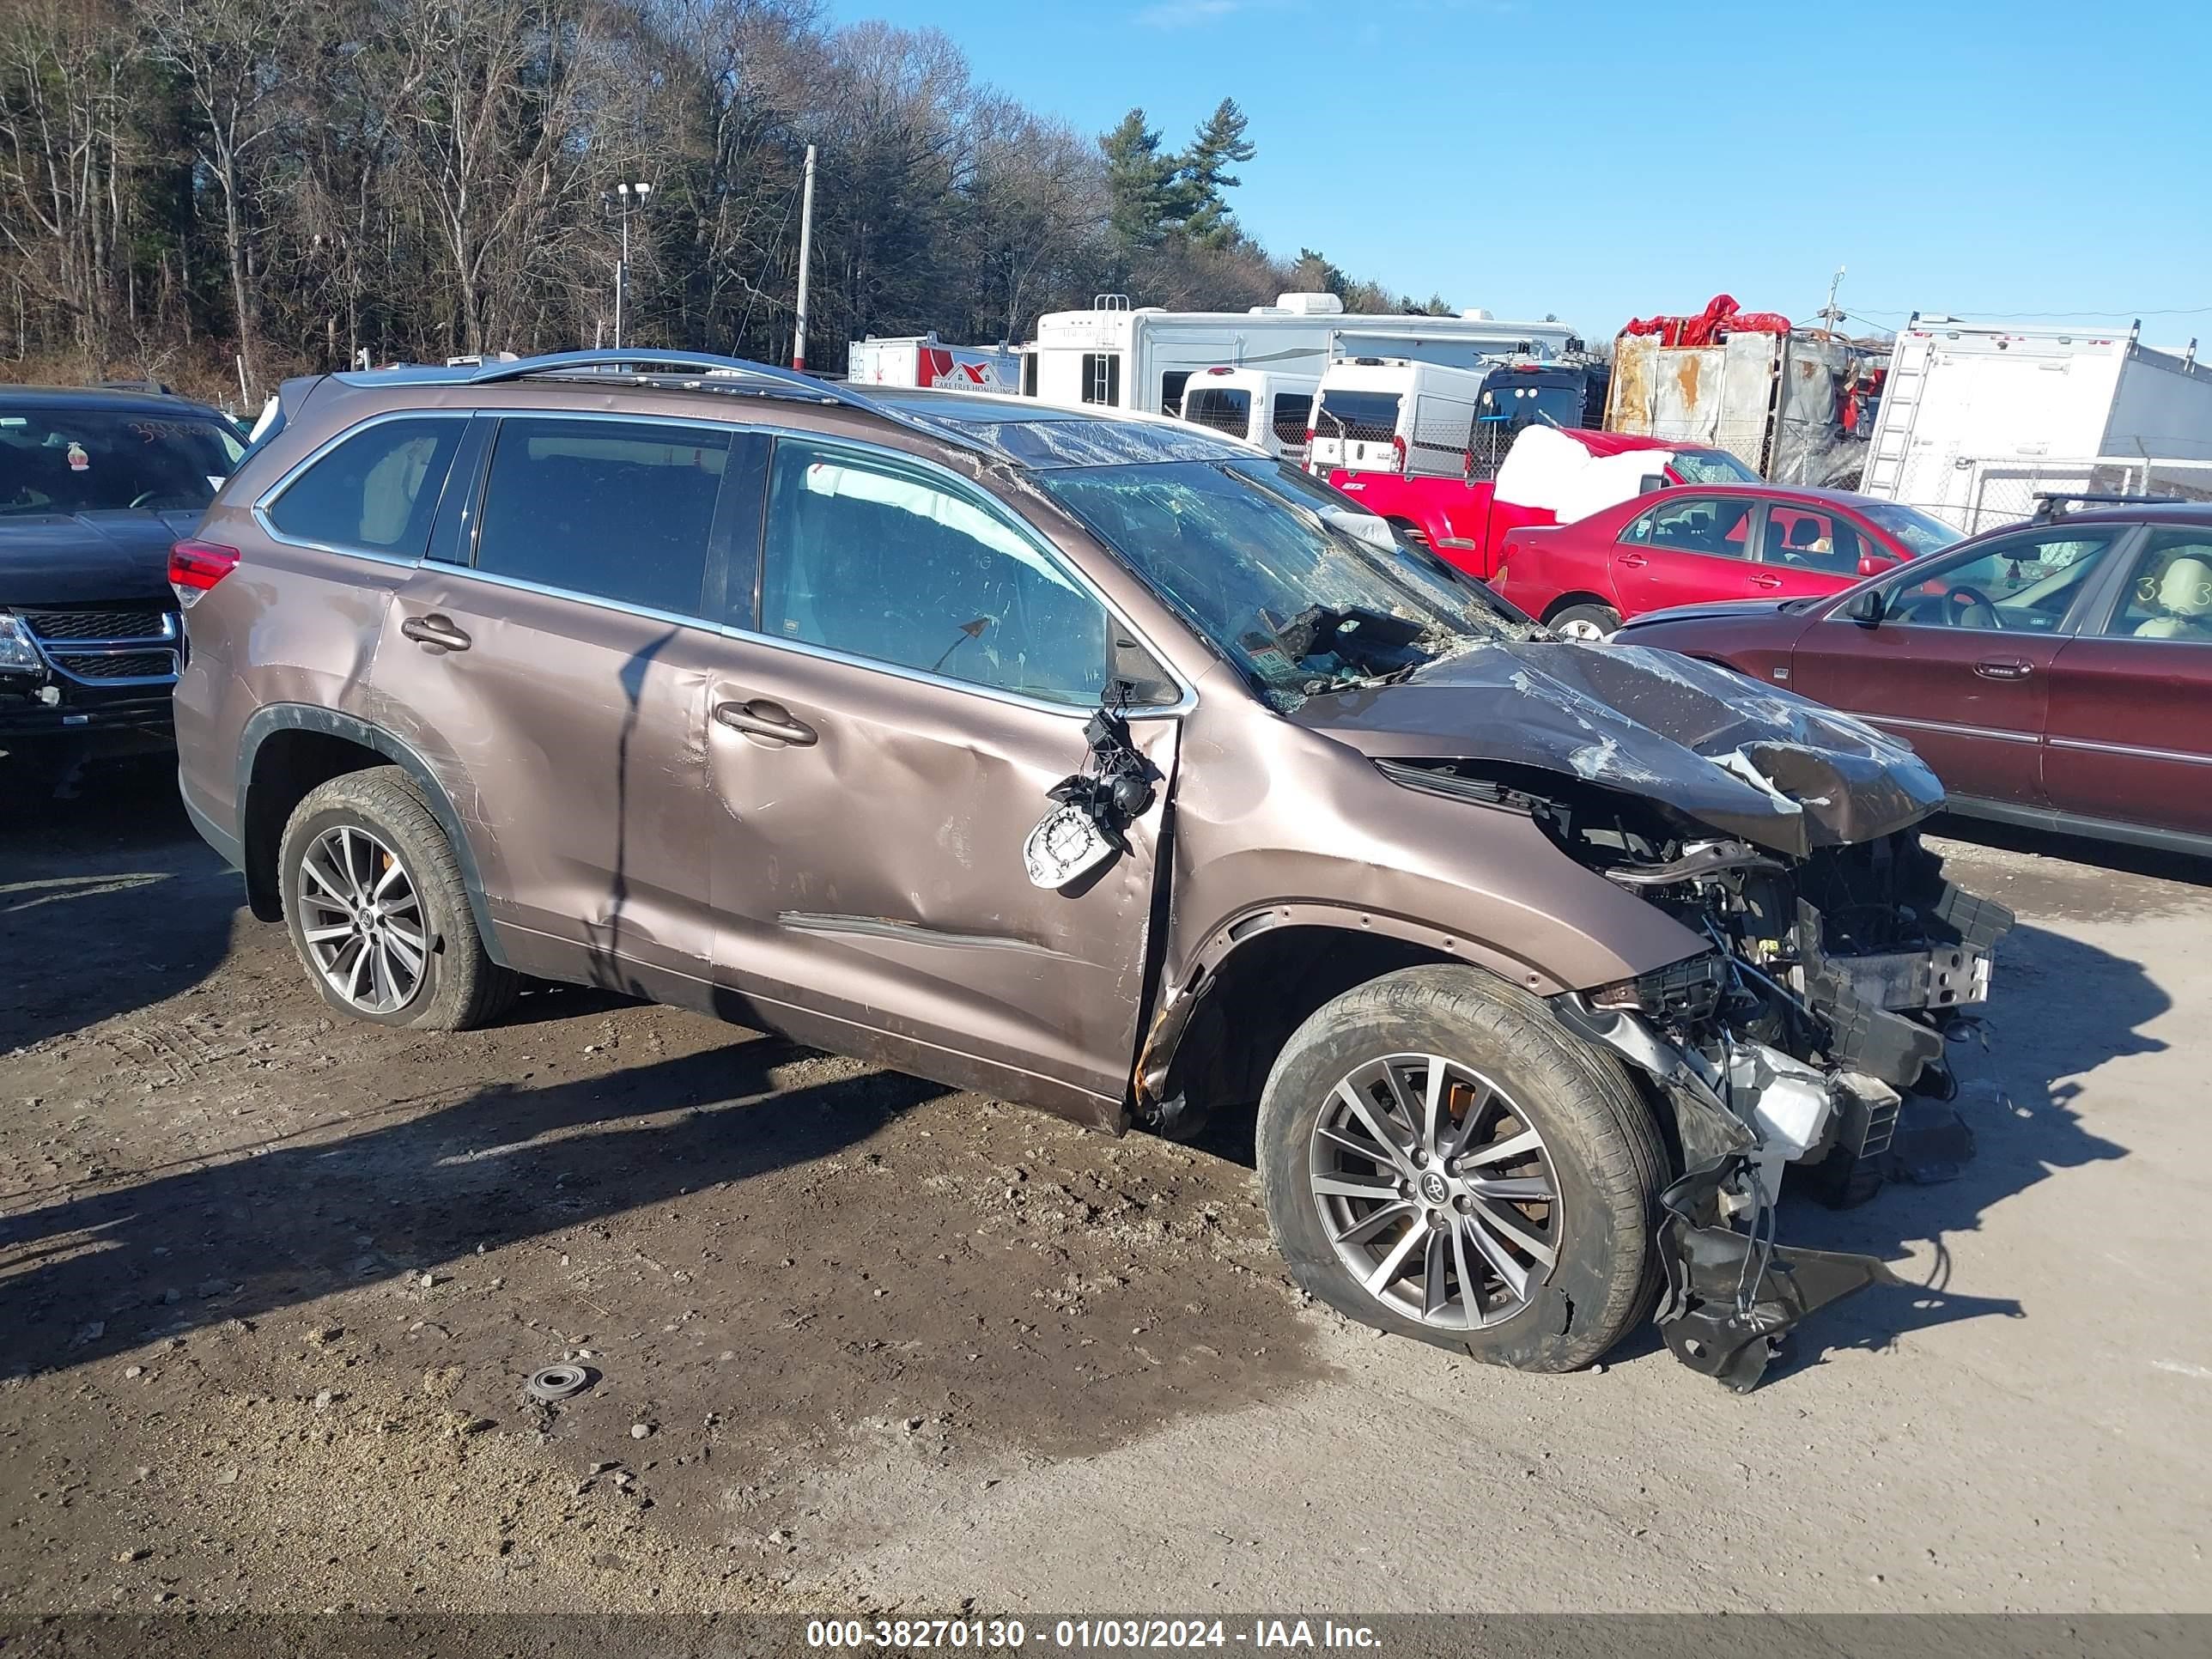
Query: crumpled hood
86	557
1703	740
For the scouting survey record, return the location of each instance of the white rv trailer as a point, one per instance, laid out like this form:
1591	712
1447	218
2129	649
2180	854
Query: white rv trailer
923	360
1143	359
1976	417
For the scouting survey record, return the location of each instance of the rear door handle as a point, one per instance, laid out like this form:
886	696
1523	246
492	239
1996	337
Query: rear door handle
434	629
1994	668
1634	560
761	718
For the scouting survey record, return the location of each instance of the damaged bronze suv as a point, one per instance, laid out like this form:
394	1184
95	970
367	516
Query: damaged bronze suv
1093	762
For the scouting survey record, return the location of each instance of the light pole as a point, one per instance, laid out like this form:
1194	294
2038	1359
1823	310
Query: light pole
623	194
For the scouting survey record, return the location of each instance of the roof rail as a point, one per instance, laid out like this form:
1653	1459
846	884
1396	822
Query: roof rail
703	363
2047	501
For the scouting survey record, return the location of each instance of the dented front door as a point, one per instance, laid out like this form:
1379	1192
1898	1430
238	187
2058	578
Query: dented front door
866	847
880	745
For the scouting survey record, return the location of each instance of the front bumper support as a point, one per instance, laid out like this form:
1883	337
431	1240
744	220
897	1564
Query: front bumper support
1730	1295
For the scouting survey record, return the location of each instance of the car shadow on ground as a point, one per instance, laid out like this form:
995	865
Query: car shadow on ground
2060	1009
109	1271
108	901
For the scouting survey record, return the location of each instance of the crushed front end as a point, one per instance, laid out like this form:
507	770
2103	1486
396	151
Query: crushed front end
1813	1031
1820	1015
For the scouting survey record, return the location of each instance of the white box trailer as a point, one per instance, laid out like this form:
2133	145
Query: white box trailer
923	360
1975	417
1144	358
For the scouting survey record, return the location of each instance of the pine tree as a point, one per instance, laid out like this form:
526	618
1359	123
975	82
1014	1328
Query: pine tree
1203	174
1143	199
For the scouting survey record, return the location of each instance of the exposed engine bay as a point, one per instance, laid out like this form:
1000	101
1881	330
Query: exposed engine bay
1821	1012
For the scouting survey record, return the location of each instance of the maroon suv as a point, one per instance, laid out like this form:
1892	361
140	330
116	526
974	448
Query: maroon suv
1094	762
2056	674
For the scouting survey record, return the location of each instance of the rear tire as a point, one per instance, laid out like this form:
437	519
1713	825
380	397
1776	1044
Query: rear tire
1512	1079
1588	622
378	911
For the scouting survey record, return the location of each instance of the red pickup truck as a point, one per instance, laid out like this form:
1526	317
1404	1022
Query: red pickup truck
1550	475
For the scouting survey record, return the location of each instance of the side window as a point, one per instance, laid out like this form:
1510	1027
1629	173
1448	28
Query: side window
1716	525
1171	390
2023	584
377	490
623	510
865	557
1102	377
1292	411
2169	592
1805	539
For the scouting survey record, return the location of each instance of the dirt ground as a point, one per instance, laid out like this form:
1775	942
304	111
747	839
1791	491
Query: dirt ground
270	1284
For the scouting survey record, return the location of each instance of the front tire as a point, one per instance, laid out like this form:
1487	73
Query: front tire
1441	1160
1586	623
378	911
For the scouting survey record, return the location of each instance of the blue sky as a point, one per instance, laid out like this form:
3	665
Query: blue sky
1603	159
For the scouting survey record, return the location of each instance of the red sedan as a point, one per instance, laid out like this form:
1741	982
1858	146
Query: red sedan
1682	546
2056	674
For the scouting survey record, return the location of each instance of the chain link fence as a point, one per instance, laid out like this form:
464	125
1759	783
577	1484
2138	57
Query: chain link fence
1978	495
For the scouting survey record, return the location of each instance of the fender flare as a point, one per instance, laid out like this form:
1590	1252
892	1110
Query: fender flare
272	718
1172	1017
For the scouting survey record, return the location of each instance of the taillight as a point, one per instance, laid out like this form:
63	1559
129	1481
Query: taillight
1398	448
195	567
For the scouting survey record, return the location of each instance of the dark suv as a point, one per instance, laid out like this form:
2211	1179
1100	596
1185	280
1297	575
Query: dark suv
1091	761
94	486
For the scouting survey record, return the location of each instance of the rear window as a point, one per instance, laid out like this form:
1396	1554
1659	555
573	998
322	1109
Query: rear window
1711	466
377	490
92	460
1226	409
1362	417
1292	411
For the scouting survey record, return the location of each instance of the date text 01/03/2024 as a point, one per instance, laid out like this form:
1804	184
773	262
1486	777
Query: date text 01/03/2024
1083	1634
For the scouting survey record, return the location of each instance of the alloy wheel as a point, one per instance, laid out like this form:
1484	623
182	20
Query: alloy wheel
1438	1194
362	919
1581	628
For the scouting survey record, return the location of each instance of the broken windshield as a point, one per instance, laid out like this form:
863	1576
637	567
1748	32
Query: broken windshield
1300	587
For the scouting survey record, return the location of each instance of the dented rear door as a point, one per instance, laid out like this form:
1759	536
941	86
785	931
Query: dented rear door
879	749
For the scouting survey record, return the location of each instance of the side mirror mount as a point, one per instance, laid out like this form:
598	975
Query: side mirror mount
1866	607
1131	672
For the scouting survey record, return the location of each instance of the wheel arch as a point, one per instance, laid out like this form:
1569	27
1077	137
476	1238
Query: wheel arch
286	749
1261	974
1567	601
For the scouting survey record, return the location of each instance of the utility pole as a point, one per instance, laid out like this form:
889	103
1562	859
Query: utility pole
623	192
1829	313
805	255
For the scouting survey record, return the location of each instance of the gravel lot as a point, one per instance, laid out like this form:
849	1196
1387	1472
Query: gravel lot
271	1282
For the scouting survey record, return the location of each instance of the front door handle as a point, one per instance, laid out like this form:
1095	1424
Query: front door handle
434	629
1998	668
767	720
1634	560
